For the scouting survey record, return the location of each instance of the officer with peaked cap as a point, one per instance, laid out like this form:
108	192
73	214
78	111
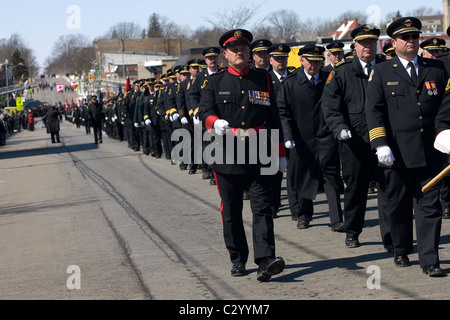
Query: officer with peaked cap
261	57
313	151
335	55
403	138
343	109
236	104
432	47
389	50
279	54
211	55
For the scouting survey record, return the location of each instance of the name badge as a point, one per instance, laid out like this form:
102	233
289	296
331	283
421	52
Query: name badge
394	83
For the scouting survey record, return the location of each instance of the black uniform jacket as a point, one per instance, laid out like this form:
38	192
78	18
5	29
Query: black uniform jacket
246	101
343	100
95	112
402	115
299	104
129	104
195	91
53	121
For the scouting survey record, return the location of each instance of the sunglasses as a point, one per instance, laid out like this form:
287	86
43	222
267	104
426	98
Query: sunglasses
406	37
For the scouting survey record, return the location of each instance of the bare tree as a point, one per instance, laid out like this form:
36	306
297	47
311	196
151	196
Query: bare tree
285	25
124	30
228	19
16	42
71	54
424	11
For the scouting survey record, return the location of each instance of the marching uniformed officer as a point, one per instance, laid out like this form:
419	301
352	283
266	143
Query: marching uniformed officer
128	115
151	110
166	126
445	190
196	87
313	151
236	104
95	117
403	98
432	47
343	109
279	54
260	53
335	55
117	122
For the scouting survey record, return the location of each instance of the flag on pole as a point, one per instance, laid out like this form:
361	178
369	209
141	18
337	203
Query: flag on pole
74	84
60	88
128	85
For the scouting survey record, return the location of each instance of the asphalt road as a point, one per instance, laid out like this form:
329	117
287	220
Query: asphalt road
85	222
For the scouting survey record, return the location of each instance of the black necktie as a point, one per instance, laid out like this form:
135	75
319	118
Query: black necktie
313	82
281	79
413	72
369	68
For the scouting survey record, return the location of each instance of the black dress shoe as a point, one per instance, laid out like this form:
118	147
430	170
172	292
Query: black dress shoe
303	224
270	267
338	227
352	242
433	271
401	260
238	269
446	213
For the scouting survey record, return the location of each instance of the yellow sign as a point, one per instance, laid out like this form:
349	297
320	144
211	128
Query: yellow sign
19	103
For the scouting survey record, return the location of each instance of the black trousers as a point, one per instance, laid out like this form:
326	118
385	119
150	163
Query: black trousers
260	193
98	134
406	202
359	165
303	207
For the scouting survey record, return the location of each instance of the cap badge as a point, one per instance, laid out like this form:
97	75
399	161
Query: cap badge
238	34
408	23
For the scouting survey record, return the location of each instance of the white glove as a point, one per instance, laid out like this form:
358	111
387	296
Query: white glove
385	156
123	123
345	135
148	122
184	120
197	121
221	127
290	144
442	142
136	125
166	117
106	118
175	116
283	165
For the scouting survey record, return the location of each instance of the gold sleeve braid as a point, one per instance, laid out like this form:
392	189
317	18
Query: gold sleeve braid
379	132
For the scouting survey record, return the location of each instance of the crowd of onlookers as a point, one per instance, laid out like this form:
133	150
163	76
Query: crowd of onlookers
18	121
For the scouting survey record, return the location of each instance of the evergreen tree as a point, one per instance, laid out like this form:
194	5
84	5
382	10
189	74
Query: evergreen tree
18	67
155	28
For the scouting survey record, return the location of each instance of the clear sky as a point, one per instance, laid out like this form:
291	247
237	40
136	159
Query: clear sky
41	22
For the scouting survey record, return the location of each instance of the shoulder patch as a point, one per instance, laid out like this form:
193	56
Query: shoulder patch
330	76
448	85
